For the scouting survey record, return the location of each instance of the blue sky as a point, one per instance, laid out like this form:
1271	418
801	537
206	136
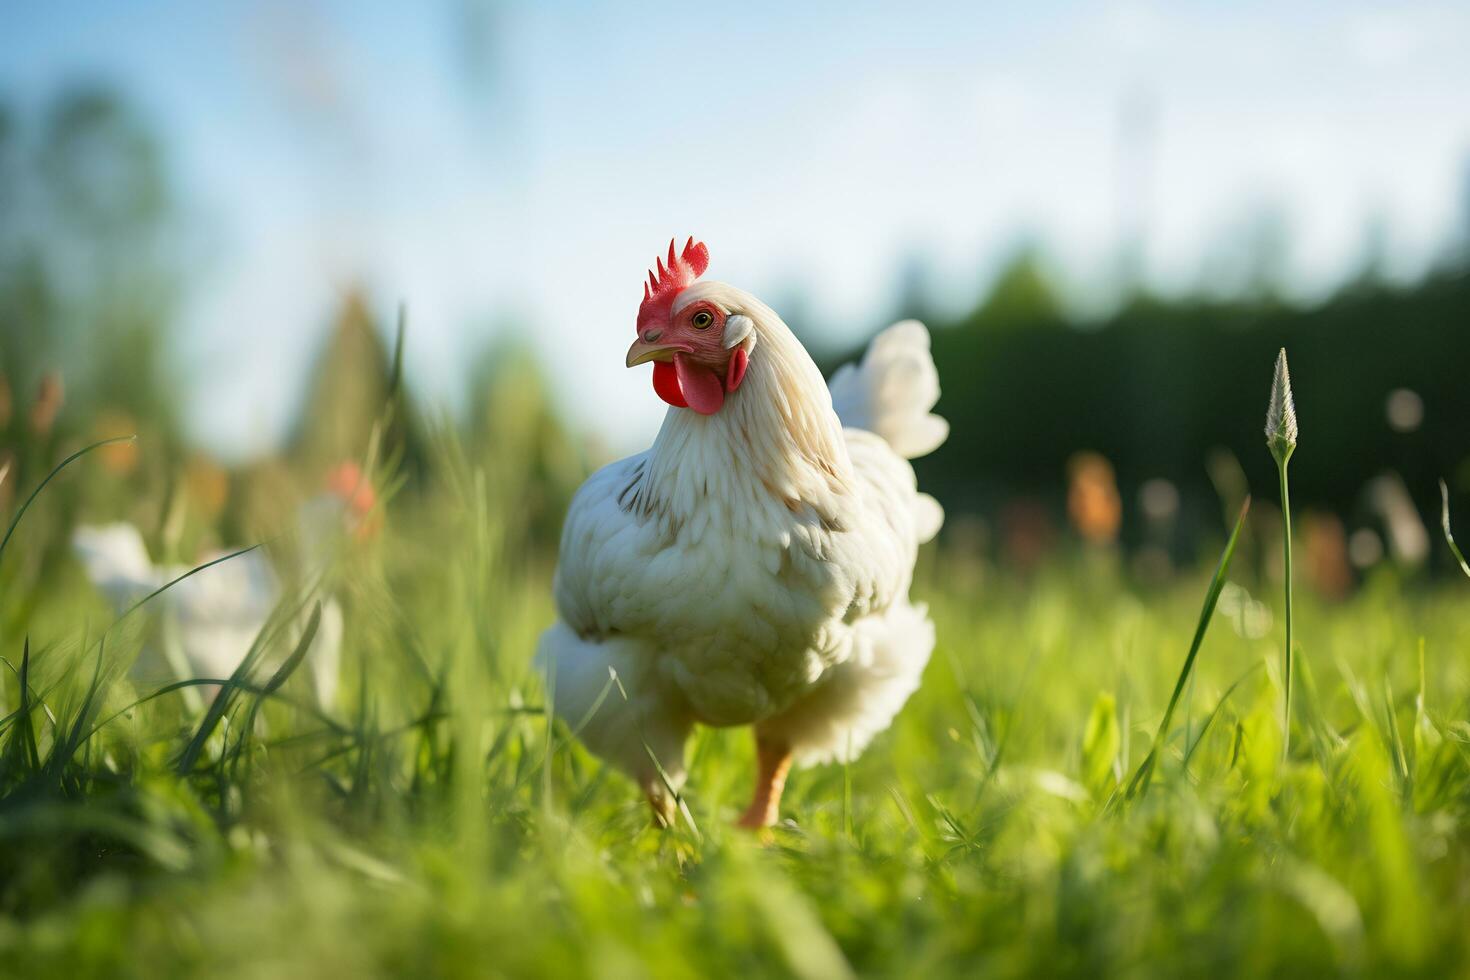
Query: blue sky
486	163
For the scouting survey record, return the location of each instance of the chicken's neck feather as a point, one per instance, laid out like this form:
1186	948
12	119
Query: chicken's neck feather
775	447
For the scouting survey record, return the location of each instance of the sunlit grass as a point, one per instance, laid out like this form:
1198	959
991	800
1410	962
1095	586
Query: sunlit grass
431	823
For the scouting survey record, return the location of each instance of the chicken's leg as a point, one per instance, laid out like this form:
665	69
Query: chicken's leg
660	801
773	761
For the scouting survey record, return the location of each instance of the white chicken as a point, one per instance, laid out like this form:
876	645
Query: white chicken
211	619
753	566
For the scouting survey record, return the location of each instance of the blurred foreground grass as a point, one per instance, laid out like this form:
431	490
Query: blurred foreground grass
431	824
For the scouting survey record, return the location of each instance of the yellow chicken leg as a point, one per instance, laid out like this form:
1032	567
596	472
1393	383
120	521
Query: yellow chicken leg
773	762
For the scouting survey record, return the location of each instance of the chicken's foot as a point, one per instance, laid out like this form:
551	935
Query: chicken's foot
773	762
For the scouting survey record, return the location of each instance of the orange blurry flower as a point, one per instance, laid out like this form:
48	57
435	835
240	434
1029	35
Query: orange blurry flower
50	396
207	485
1326	545
1093	503
7	483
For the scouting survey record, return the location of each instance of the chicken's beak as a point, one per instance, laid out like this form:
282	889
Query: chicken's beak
642	352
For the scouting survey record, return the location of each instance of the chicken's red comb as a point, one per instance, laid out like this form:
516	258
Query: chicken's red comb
660	290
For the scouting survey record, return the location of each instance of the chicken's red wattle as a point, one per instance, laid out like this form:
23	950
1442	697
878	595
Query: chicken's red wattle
684	383
666	385
702	388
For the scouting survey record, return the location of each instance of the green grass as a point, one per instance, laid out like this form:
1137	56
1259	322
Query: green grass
433	825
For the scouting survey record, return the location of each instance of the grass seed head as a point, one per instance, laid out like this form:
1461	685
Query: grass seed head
1281	415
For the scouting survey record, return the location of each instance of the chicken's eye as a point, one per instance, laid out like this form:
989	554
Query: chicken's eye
701	319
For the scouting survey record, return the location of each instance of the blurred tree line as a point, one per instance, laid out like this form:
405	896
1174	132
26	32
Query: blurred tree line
1177	389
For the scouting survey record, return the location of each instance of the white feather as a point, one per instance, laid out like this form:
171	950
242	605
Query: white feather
737	328
892	390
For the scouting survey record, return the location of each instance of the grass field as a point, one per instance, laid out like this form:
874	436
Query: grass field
432	824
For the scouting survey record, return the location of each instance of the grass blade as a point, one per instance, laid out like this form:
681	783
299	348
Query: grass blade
63	750
1444	521
27	733
237	680
287	668
1138	785
1210	718
15	521
173	582
1287	655
332	724
292	662
395	376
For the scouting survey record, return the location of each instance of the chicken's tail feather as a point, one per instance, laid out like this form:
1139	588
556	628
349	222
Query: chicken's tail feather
891	391
928	517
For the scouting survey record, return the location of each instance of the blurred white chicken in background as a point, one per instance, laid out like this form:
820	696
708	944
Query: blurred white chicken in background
210	619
